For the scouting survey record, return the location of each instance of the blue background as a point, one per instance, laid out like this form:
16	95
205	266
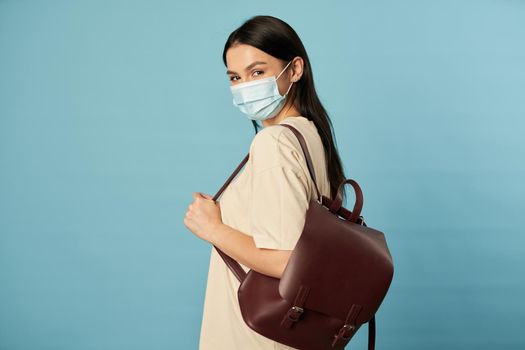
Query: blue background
112	113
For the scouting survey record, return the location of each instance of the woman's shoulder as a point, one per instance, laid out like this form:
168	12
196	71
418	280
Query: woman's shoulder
277	133
277	145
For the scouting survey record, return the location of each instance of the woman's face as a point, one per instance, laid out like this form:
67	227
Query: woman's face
246	63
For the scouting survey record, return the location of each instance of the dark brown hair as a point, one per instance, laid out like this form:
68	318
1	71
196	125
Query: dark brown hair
278	39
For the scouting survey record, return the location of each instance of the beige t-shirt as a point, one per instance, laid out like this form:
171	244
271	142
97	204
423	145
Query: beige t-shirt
267	200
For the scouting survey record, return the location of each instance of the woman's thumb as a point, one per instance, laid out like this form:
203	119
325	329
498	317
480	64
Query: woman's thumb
207	196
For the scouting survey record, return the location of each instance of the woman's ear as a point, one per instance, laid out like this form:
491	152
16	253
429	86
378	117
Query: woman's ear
297	69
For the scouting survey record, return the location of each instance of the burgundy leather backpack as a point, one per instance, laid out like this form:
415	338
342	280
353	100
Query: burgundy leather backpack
336	278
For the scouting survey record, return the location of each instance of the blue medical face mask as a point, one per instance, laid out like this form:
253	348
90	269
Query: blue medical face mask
259	99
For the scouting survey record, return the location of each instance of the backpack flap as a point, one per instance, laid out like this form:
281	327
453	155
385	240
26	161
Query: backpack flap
341	263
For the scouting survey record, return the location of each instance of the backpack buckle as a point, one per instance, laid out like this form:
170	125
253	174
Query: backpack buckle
345	332
292	316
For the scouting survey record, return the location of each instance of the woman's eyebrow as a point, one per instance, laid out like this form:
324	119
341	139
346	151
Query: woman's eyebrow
250	66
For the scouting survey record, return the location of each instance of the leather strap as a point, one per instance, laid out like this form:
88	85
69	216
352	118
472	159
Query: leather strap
307	156
336	204
372	333
239	272
234	266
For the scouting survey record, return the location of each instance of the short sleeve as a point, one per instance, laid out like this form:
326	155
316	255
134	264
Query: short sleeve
279	203
279	188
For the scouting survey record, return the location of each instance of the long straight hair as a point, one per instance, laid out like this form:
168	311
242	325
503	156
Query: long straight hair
278	39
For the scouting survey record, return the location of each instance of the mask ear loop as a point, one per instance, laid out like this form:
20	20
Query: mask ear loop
283	70
289	87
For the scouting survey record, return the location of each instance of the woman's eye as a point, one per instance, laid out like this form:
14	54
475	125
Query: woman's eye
235	77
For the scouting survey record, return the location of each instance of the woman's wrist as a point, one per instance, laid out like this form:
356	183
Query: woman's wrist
216	233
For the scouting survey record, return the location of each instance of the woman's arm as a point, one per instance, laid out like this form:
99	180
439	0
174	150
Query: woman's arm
241	247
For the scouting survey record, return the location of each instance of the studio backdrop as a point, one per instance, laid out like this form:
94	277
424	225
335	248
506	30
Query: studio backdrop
112	113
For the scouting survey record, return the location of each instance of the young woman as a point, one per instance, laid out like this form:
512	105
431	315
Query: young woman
262	212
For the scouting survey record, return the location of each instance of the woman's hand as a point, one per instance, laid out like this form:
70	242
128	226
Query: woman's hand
203	216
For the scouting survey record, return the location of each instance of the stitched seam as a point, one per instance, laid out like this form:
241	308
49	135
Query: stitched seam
266	169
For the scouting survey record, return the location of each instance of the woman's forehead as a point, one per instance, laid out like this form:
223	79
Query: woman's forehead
244	57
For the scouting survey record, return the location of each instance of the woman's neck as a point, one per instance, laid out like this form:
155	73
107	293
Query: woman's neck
289	112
